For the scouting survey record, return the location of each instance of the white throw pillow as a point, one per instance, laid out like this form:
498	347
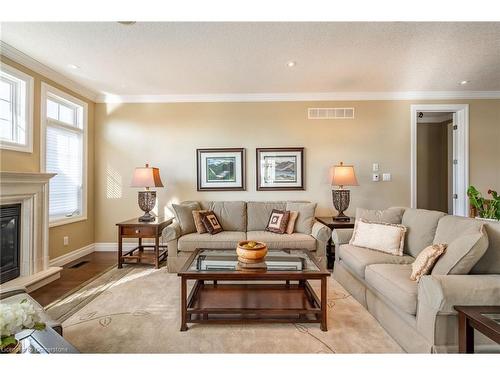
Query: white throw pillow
388	238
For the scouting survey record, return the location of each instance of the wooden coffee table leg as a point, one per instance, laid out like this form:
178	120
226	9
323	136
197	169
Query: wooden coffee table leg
184	326
465	335
323	304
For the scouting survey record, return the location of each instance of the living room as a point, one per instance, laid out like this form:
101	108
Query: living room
313	187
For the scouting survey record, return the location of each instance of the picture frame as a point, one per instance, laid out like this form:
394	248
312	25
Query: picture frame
221	169
280	168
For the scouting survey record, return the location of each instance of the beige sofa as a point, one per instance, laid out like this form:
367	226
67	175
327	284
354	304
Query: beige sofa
241	221
420	316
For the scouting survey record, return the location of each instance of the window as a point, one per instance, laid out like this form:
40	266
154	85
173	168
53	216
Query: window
64	124
16	105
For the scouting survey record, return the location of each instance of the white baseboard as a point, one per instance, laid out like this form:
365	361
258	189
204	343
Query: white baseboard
113	246
70	257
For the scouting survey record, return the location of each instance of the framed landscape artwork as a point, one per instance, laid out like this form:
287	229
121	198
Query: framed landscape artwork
280	168
220	169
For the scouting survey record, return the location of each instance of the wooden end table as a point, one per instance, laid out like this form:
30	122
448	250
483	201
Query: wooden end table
331	223
134	228
486	319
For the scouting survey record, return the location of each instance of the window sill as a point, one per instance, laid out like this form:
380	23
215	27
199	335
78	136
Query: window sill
64	221
12	146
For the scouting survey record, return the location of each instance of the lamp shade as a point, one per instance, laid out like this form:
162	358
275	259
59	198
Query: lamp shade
146	177
343	175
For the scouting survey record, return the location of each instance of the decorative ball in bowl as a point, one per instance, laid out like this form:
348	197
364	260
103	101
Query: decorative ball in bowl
251	251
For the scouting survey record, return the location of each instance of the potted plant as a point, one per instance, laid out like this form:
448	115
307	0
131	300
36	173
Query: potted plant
14	317
484	208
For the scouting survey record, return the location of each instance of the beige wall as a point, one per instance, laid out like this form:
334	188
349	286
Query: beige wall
80	233
166	135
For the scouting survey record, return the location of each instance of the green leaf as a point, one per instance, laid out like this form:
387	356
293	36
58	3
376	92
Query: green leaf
24	300
7	340
39	326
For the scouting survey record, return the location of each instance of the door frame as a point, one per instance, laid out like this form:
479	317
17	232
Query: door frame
461	152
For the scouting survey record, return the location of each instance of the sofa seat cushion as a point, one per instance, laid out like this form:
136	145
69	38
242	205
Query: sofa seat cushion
283	241
393	282
358	258
222	240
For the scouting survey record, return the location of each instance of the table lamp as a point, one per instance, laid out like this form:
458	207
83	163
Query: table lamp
146	177
343	175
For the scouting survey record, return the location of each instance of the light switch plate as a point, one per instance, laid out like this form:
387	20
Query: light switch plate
386	177
65	240
375	167
375	177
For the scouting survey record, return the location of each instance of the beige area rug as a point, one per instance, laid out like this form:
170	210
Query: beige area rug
136	310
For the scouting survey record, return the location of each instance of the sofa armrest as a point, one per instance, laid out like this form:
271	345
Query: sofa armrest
442	292
321	232
341	236
171	232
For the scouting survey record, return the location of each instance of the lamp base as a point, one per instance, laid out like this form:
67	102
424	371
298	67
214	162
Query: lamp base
341	200
147	218
147	201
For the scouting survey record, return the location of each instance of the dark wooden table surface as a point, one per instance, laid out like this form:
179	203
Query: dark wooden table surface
134	228
474	317
331	223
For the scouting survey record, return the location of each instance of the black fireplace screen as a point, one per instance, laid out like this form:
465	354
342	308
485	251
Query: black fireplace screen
10	256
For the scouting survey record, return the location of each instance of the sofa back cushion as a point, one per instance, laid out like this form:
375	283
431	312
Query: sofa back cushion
462	254
232	215
184	215
389	216
305	219
421	228
258	213
490	261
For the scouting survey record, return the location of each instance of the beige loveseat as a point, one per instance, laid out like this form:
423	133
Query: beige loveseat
420	316
245	220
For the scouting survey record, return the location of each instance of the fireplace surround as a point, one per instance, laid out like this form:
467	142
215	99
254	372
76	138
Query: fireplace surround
30	191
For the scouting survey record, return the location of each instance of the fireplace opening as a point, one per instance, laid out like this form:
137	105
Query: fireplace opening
10	250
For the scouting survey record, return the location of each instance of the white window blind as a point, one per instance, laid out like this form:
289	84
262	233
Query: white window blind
64	155
15	107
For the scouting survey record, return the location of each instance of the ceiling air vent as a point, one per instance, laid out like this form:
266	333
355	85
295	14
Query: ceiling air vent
330	113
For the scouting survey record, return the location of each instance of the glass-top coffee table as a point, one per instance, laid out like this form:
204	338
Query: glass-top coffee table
485	319
225	291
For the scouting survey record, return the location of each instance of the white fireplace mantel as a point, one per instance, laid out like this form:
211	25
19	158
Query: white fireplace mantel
31	190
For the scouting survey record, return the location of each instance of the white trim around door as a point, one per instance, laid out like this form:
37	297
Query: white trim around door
460	152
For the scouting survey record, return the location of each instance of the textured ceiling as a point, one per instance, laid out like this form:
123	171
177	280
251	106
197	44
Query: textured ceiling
221	58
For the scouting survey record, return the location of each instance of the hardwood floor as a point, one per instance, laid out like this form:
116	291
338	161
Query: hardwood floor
74	274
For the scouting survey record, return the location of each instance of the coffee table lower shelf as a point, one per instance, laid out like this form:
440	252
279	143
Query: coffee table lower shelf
252	303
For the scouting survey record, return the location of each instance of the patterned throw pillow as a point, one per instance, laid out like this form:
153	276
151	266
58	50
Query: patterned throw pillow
291	222
200	228
278	221
426	260
211	222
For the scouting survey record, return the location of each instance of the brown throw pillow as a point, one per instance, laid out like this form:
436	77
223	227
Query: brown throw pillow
211	222
425	261
278	221
291	222
200	228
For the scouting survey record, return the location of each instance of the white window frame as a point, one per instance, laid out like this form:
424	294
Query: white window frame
46	90
28	108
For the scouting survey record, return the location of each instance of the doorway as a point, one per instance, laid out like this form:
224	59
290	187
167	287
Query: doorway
439	158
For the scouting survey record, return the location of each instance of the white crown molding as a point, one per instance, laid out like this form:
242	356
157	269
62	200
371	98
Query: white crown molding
303	97
21	58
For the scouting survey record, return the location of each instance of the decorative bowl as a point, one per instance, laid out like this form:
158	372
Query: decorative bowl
251	254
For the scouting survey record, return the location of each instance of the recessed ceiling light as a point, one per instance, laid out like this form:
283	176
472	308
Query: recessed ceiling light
291	64
463	83
73	66
127	23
